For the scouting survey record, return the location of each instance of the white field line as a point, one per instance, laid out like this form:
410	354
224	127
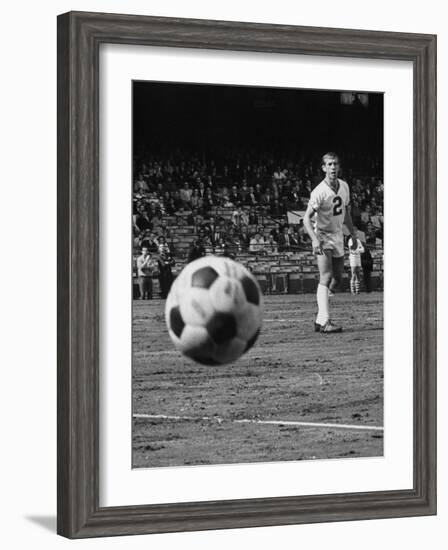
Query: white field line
272	422
301	320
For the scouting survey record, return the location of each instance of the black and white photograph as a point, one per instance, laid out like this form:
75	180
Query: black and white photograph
257	274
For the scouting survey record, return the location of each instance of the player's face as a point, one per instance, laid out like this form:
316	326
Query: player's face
331	168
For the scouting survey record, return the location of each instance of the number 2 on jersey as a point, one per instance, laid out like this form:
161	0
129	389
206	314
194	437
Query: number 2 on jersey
337	208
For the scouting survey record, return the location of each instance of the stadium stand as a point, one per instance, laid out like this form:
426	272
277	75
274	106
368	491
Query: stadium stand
244	209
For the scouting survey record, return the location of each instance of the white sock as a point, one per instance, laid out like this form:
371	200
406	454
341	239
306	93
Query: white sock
322	304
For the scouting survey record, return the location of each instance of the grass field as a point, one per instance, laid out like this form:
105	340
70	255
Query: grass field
296	395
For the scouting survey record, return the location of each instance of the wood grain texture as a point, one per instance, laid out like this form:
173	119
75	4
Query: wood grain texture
79	38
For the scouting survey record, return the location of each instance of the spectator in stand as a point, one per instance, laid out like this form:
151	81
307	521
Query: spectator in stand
356	212
163	246
197	220
220	233
159	192
293	197
170	207
258	194
153	200
244	193
307	190
163	230
142	221
239	217
156	218
166	199
284	205
185	195
271	246
252	218
371	235
275	231
260	230
293	240
140	186
207	243
234	196
225	197
192	217
201	190
208	226
287	186
361	235
266	198
251	197
231	232
145	270
196	251
149	241
285	240
227	252
379	188
256	244
209	200
175	195
244	238
279	174
276	210
365	215
194	199
165	263
154	210
377	220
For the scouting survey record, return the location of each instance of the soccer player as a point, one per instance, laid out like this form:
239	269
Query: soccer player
329	203
145	268
355	251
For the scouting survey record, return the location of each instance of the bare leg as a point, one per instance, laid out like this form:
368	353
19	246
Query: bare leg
338	270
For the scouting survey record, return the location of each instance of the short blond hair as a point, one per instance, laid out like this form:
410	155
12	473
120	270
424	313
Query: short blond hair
329	155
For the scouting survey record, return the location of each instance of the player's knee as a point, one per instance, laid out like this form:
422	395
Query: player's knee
325	279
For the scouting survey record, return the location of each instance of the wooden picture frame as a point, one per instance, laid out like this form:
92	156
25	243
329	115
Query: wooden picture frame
79	38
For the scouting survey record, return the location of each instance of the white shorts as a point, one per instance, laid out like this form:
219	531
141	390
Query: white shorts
333	242
355	261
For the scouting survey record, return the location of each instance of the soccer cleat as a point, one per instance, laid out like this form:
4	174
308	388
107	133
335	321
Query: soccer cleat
329	328
317	327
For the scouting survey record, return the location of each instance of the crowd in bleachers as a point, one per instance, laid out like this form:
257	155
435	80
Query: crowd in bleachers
191	192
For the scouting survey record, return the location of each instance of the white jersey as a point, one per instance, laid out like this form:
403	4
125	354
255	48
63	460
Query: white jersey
355	255
330	206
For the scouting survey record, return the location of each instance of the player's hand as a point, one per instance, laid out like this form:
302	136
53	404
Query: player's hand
317	248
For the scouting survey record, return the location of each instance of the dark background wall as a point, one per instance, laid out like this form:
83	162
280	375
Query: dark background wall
217	121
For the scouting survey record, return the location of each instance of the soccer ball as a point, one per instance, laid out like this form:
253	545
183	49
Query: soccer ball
214	310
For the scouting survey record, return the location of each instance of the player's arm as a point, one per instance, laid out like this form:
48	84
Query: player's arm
309	229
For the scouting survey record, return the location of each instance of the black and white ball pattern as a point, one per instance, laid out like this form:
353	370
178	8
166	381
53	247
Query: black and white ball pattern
214	310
